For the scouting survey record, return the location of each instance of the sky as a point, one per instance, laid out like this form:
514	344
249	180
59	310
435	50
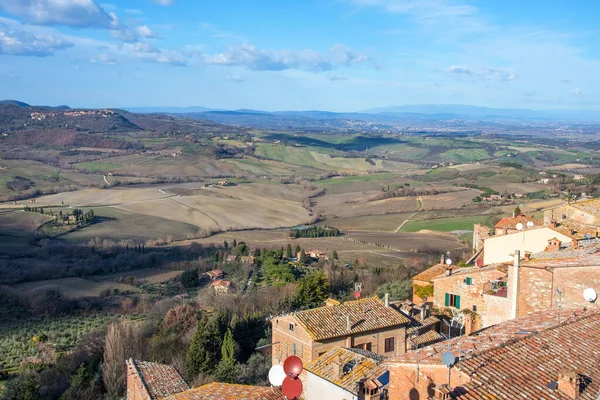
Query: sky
337	55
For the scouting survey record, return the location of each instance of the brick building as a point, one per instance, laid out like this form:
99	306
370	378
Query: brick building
367	324
545	355
153	381
423	282
509	225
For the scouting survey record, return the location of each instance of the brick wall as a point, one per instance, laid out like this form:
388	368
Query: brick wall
470	295
480	233
535	290
571	213
573	281
286	339
404	384
496	310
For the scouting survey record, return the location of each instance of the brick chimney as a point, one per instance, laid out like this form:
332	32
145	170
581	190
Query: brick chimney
449	270
575	244
553	245
443	392
337	368
527	256
569	383
553	223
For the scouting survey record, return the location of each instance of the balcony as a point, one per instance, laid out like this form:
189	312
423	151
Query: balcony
497	288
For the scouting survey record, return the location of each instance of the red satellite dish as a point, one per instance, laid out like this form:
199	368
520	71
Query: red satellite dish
357	295
292	366
291	388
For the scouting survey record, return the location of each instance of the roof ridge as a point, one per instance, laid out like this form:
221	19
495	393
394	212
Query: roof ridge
515	339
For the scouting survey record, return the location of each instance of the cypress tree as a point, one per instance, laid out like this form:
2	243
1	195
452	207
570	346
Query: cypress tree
227	365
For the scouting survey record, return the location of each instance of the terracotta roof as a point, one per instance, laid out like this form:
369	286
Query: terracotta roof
427	338
430	273
491	337
587	255
228	391
511	222
161	380
365	365
525	367
365	315
575	230
501	267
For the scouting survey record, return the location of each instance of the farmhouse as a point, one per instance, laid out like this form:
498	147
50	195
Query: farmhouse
367	324
546	355
250	260
152	381
222	287
345	373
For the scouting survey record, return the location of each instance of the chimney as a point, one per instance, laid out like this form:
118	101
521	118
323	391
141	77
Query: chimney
348	323
515	285
449	270
553	245
443	392
569	383
553	223
337	367
387	299
443	259
424	312
527	256
575	244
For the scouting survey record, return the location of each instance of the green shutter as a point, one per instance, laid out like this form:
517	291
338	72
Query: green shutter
458	302
468	281
447	302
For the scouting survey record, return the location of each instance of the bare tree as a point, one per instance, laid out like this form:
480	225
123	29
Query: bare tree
123	340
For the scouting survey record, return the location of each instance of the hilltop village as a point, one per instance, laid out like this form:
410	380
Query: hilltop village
517	320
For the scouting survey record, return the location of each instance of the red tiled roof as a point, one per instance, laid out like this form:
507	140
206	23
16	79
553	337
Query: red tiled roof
430	273
492	337
365	315
161	380
229	391
511	222
221	283
524	368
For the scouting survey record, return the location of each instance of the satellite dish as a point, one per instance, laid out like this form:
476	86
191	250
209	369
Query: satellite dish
276	375
590	295
449	261
291	388
530	224
448	359
292	366
519	226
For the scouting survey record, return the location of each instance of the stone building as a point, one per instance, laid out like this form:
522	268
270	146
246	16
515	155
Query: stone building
367	324
584	212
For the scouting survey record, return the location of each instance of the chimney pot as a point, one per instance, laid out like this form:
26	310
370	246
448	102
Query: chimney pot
527	256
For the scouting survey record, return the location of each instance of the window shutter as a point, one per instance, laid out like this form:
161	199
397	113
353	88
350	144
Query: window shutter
447	302
468	281
458	302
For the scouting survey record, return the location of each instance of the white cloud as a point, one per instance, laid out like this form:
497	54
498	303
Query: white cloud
132	35
147	52
74	13
234	78
278	60
23	43
576	91
164	2
103	59
483	74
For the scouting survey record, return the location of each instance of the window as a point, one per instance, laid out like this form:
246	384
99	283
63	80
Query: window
452	300
389	344
474	308
469	281
291	327
364	346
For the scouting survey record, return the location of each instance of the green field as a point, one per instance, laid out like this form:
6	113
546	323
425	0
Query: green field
97	166
445	224
465	155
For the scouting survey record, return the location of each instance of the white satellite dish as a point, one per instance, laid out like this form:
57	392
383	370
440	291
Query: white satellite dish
449	261
519	226
448	359
590	295
276	375
530	224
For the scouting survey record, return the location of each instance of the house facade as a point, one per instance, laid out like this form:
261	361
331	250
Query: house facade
367	324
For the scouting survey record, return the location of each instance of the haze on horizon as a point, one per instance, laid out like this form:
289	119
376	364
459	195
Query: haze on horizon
346	55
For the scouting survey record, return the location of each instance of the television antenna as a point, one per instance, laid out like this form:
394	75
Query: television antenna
559	301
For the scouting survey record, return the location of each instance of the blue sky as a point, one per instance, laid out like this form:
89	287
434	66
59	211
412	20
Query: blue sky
339	55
